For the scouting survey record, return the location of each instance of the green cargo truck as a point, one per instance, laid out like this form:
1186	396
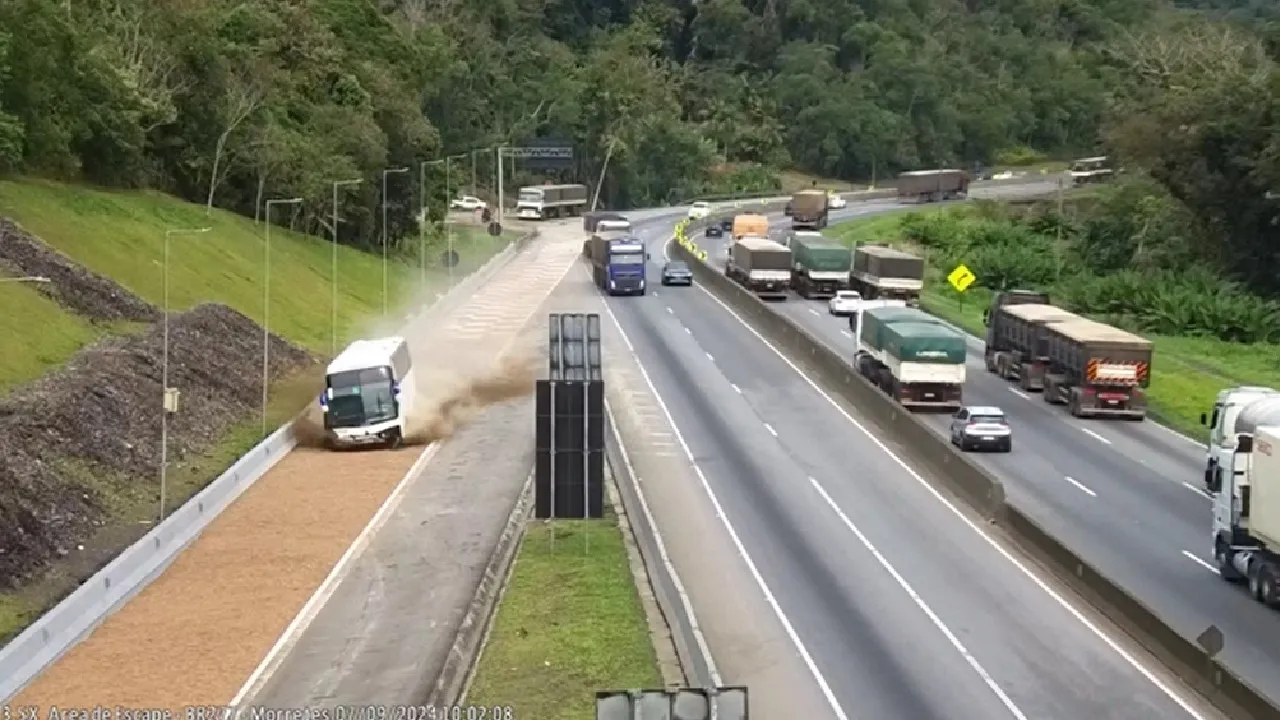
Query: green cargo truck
912	356
819	267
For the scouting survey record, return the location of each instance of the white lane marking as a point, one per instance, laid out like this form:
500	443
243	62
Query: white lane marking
1175	433
1199	491
736	388
1200	561
769	427
964	518
670	311
1094	435
709	357
815	312
276	656
846	333
1019	393
1079	485
687	330
685	603
769	597
920	603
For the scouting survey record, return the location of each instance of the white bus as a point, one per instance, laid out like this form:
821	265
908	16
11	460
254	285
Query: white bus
368	392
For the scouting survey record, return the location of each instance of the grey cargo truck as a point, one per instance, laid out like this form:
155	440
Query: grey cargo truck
884	273
1017	341
1096	370
760	265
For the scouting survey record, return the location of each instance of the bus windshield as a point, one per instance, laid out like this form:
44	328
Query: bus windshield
361	397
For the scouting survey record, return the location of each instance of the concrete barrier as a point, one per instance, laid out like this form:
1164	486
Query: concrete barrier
962	477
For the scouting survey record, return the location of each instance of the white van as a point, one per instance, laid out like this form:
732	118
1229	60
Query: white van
369	391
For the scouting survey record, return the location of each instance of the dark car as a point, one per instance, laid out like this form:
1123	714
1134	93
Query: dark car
676	273
714	231
726	225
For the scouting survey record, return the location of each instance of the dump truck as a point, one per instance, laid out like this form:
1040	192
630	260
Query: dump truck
819	267
913	357
538	202
618	264
750	224
1246	515
760	265
1017	343
808	209
1096	370
881	272
933	185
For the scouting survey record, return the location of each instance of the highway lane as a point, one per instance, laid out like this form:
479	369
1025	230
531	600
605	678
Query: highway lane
904	607
1123	494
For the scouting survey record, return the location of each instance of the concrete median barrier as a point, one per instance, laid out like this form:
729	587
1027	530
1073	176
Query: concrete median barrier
964	478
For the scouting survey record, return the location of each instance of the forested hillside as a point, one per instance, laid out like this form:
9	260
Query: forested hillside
228	102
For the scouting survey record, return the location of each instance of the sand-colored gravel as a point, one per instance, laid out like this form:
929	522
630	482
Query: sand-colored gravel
195	635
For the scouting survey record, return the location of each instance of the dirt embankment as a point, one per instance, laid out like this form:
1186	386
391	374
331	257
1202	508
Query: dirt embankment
75	442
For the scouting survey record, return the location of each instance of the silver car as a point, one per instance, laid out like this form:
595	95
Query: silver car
981	427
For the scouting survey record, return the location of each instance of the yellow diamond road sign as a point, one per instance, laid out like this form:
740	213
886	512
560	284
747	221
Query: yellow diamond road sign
961	278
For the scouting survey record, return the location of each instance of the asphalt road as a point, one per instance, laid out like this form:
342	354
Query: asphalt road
1125	495
903	606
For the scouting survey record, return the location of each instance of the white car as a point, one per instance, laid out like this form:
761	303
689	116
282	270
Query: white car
845	303
699	210
835	201
469	203
976	427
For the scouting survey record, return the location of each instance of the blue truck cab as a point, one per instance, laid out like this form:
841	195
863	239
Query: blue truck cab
619	265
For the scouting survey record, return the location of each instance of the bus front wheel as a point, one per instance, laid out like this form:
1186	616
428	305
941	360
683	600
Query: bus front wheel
395	439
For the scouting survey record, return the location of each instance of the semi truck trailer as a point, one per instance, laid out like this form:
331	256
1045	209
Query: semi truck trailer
760	265
933	185
1017	343
881	272
819	267
1246	514
808	209
913	357
1096	370
538	202
608	225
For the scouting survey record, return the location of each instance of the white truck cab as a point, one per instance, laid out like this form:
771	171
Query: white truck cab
1224	420
369	392
1246	516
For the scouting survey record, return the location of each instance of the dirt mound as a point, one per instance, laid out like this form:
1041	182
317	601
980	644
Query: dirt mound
97	421
88	294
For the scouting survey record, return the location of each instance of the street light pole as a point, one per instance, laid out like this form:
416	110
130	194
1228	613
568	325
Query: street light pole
165	406
266	307
422	226
444	217
385	173
498	155
333	268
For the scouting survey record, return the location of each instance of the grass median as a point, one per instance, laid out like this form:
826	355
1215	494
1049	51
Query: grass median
570	624
1186	372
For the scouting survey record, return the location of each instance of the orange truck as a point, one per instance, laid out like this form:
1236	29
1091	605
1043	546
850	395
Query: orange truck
750	224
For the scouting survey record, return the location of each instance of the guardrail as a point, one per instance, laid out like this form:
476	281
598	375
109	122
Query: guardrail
45	640
982	491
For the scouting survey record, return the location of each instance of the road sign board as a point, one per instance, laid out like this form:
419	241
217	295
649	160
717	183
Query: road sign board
961	278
